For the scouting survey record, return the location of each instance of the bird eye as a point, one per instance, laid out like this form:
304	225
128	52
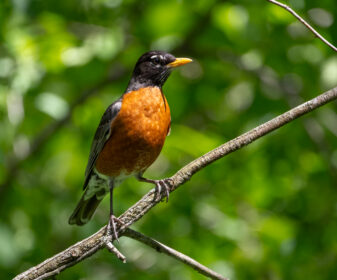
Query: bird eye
156	60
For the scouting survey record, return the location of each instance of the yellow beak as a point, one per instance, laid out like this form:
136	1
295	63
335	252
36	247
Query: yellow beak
179	62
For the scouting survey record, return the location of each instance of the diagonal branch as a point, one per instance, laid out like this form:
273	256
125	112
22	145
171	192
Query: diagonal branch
312	127
161	248
307	25
95	242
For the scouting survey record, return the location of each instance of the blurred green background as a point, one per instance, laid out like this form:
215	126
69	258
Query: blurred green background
268	211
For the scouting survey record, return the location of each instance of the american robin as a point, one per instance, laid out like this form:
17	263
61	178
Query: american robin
129	136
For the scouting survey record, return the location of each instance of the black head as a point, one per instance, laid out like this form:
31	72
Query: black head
153	69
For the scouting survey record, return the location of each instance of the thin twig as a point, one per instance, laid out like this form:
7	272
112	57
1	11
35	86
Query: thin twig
95	242
92	244
160	247
290	10
115	251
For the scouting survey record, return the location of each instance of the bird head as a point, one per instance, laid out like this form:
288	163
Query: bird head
153	69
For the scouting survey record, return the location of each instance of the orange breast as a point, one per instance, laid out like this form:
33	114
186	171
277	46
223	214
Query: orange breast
137	134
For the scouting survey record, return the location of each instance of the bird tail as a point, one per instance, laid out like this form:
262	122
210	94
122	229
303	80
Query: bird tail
84	210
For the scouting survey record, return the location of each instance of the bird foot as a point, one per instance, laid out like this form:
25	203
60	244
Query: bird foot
111	228
111	233
160	185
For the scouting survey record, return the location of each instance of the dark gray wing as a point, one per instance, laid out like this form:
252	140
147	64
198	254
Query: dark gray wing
101	136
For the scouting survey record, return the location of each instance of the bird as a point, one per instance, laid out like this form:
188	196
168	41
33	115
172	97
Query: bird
129	137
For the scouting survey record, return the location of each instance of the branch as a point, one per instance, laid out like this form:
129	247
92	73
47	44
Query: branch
95	242
317	135
161	248
92	244
311	125
290	10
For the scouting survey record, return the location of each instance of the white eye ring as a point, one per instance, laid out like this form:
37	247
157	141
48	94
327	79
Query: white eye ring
156	59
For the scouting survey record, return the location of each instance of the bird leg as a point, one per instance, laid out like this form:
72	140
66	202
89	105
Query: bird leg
159	185
111	228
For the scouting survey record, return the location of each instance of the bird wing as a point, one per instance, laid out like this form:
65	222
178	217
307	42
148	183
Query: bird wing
101	136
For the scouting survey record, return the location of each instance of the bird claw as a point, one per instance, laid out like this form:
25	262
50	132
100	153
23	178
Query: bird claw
111	228
160	184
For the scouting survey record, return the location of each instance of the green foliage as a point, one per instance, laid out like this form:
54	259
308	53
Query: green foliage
265	212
